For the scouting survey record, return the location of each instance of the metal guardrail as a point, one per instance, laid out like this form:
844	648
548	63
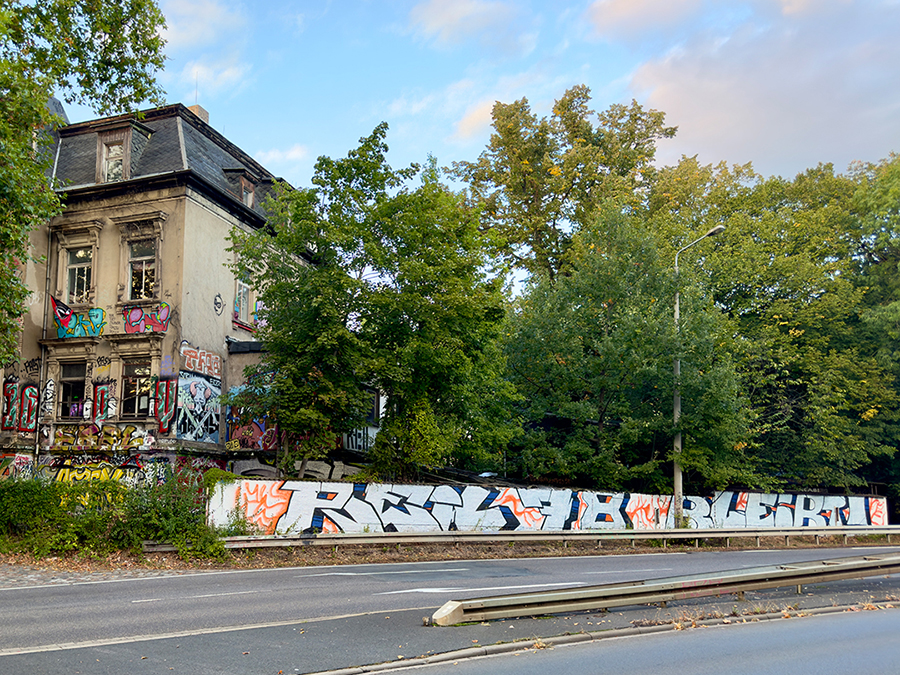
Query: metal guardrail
532	536
593	598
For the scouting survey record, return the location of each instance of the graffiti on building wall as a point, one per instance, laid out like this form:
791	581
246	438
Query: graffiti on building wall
15	466
20	406
167	366
104	405
248	434
166	399
201	361
71	324
295	506
108	438
198	407
47	398
76	470
139	320
32	367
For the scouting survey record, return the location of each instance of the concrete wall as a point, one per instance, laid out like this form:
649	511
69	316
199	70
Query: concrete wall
293	507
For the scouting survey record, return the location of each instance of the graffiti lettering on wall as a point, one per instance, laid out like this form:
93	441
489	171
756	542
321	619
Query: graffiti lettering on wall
20	406
79	438
48	398
198	407
105	404
167	366
15	466
68	470
295	506
88	324
249	434
201	361
138	320
166	398
32	366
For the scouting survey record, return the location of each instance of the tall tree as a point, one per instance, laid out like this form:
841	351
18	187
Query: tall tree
394	297
541	179
592	355
104	54
784	273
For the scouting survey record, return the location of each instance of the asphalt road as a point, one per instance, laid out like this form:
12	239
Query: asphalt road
862	643
301	620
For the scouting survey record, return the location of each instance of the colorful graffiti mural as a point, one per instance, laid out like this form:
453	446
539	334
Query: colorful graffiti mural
70	324
201	361
108	438
244	434
20	406
296	506
198	407
15	465
139	320
166	398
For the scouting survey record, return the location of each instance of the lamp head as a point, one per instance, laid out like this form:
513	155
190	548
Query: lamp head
718	229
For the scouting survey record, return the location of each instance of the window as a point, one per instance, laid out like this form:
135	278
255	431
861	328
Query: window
136	389
78	274
71	385
142	269
242	303
113	161
247	195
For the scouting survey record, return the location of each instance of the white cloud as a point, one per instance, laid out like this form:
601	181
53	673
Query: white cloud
454	22
499	26
209	78
779	92
476	121
192	24
296	153
612	18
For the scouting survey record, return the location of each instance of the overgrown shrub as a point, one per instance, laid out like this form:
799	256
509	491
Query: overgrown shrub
96	517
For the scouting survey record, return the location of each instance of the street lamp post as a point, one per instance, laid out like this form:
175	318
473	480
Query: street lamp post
678	490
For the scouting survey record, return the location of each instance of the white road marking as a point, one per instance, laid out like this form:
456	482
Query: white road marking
652	569
207	595
368	574
472	590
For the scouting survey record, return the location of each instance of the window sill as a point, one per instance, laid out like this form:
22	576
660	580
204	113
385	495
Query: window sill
240	325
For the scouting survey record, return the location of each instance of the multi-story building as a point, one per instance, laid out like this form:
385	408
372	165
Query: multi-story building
136	325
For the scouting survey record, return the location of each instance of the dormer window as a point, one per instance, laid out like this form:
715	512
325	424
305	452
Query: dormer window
247	192
113	162
113	155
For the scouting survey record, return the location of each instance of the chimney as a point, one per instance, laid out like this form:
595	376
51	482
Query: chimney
200	112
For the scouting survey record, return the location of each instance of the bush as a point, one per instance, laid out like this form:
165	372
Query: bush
96	517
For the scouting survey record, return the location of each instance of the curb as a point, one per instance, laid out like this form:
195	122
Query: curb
575	638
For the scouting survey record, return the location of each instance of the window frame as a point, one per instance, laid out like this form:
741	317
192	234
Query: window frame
64	402
148	261
134	229
134	385
71	236
78	275
110	139
243	318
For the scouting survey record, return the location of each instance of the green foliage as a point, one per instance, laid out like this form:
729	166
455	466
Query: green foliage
786	273
540	180
99	53
97	517
47	517
369	282
592	355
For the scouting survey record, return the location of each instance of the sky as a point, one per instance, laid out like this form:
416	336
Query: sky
784	84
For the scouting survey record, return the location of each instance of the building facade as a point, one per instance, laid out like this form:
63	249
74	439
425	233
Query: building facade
136	325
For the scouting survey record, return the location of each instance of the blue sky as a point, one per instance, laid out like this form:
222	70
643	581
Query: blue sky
784	84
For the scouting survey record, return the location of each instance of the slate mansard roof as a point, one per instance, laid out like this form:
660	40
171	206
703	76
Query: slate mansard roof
166	143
